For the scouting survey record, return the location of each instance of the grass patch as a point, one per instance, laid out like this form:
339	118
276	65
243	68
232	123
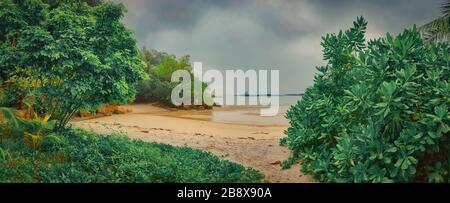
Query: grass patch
78	156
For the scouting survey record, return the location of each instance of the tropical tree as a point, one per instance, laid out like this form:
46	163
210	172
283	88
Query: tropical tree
160	66
67	55
439	29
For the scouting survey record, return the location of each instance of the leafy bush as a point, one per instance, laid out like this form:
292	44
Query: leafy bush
32	151
160	66
31	131
155	90
67	55
82	156
377	112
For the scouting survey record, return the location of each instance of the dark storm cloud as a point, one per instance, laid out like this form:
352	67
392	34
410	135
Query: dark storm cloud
280	34
149	16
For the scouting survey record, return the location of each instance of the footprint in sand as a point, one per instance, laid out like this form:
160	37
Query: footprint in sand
261	133
245	138
200	134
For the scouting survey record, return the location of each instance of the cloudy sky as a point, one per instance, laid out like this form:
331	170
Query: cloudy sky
264	34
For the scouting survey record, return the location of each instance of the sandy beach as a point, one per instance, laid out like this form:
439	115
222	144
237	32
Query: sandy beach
252	145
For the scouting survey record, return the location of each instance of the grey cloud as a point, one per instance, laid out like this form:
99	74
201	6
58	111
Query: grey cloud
281	34
155	15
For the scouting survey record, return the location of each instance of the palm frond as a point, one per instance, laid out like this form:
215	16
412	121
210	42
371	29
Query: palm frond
446	7
437	30
10	115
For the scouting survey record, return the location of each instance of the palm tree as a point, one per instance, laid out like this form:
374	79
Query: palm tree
439	29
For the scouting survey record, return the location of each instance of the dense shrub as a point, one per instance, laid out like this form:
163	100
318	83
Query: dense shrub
79	156
155	90
377	112
160	66
32	151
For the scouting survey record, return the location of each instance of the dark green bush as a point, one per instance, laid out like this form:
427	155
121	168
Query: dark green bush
377	112
80	156
160	66
155	90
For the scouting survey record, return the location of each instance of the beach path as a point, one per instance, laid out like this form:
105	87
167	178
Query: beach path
253	146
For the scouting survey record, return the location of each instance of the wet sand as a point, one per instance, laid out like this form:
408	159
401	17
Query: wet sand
252	145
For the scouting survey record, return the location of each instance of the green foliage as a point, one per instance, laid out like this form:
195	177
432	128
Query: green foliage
77	156
376	113
160	66
72	55
155	90
164	70
446	8
438	30
8	115
31	131
60	56
32	151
